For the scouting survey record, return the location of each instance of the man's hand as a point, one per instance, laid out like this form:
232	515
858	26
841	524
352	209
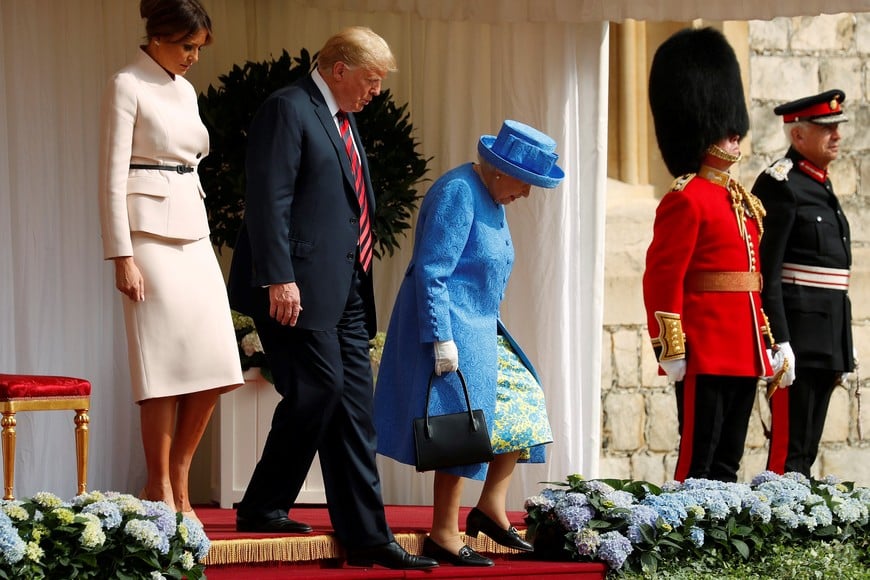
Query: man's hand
285	303
446	357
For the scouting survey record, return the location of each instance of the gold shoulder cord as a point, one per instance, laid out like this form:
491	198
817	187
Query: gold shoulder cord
740	201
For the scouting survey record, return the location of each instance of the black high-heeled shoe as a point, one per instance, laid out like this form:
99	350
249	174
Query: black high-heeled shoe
465	557
477	521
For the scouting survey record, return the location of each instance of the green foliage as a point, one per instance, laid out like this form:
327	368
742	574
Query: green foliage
227	110
812	560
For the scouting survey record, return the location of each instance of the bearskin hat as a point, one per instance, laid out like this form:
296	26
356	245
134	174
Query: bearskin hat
696	96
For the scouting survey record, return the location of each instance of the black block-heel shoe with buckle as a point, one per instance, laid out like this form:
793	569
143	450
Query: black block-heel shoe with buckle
477	522
465	557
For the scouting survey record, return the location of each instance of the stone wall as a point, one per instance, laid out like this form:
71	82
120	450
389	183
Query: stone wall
788	58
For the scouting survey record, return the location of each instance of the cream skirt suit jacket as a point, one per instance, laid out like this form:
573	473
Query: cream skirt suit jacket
180	339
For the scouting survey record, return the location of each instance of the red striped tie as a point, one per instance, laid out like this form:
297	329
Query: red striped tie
359	185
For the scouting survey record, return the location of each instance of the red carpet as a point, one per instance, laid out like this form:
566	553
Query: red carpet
235	555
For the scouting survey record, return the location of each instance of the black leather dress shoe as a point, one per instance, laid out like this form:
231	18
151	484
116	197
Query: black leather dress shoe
465	557
272	526
478	521
389	555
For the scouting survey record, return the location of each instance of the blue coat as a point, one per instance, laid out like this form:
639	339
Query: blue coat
452	289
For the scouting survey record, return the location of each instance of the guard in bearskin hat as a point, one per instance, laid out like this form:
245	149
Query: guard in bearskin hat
702	282
806	259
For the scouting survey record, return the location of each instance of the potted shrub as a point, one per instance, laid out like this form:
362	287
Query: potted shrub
397	168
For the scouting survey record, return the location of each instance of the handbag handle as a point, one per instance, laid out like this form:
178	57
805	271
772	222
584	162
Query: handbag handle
472	422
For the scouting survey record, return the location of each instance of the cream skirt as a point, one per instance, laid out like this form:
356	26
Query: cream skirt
180	339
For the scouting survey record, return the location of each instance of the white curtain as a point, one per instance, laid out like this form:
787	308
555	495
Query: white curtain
464	67
62	314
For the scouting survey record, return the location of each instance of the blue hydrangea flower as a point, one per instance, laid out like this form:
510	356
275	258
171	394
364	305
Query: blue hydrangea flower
696	534
107	511
574	517
786	515
614	549
640	515
11	545
194	537
162	515
147	534
572	498
764	477
758	507
540	502
599	486
672	486
669	506
619	499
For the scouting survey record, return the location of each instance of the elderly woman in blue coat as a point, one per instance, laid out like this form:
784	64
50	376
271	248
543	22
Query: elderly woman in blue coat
446	316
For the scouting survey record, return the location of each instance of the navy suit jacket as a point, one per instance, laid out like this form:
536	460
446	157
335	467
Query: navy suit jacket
301	212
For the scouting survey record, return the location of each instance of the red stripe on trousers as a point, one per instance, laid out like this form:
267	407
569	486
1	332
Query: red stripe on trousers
687	433
778	431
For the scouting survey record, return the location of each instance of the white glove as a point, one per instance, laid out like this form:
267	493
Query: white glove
787	355
446	357
675	369
776	359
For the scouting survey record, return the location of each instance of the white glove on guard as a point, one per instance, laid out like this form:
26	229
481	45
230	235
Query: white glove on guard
675	369
446	357
787	355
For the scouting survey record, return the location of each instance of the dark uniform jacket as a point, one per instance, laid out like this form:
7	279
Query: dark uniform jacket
805	226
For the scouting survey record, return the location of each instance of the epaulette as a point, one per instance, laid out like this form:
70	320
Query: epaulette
680	183
780	168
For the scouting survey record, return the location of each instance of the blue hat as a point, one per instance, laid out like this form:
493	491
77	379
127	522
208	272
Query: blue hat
523	153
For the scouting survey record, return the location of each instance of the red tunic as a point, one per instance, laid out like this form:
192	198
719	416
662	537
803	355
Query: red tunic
696	230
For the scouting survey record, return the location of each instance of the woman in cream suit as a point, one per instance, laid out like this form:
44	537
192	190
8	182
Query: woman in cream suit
180	338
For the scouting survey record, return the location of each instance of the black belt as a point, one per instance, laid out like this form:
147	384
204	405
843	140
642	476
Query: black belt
175	168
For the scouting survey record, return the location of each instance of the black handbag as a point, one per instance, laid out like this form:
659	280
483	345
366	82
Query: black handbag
451	440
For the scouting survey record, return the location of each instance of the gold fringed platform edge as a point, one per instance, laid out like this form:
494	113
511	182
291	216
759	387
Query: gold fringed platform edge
319	547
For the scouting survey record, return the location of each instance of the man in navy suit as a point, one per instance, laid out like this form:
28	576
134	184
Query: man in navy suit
302	270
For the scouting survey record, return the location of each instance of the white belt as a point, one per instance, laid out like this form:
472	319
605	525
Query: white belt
817	276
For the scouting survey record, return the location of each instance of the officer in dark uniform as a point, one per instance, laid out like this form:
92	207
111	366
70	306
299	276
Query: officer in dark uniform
805	259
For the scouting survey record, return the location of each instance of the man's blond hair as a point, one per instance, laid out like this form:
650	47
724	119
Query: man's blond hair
357	46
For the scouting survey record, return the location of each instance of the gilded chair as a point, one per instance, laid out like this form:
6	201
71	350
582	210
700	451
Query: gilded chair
43	393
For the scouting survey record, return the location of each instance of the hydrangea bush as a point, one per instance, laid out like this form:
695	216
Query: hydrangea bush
98	535
636	526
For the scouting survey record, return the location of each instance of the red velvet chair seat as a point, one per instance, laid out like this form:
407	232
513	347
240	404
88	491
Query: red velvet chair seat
30	386
43	393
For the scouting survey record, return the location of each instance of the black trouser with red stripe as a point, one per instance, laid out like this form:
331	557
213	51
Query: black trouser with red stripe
713	413
797	420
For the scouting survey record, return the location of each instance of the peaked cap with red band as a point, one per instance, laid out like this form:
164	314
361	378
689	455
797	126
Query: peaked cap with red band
822	109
